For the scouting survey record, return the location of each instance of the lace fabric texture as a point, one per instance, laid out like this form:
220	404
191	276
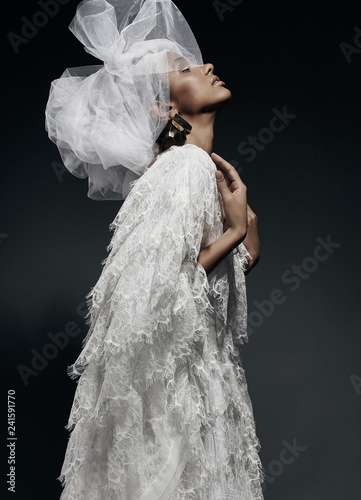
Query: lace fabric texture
162	410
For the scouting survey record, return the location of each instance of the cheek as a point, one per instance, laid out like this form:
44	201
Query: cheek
192	93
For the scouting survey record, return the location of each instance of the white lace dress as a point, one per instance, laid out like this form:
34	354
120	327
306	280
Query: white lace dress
161	410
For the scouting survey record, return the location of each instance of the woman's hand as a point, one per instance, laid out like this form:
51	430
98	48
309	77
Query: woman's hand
234	198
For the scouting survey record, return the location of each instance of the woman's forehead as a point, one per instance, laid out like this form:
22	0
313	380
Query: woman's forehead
176	60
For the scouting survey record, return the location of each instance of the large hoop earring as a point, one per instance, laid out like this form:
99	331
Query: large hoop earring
179	129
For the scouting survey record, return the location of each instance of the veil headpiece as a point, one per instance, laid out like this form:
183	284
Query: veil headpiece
102	118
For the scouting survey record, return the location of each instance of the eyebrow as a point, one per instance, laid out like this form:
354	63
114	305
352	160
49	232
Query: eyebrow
181	58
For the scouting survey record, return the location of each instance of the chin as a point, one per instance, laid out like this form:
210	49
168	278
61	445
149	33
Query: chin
229	92
226	93
217	102
227	96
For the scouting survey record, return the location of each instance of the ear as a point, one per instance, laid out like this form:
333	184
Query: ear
172	111
160	110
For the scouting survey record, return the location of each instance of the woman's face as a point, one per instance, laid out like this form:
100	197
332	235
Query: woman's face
195	89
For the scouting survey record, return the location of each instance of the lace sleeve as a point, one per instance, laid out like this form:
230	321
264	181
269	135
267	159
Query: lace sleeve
245	255
152	261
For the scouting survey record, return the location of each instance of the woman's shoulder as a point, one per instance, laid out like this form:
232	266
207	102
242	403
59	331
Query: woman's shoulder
191	153
188	155
179	170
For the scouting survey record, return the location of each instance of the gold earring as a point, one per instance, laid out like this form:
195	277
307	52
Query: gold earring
179	129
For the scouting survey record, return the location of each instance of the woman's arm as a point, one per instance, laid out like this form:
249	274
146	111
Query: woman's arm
251	241
210	256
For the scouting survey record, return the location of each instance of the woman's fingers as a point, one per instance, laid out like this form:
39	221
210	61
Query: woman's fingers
222	184
223	171
228	182
229	170
234	196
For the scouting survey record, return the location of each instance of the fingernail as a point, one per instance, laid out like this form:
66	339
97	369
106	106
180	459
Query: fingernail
219	175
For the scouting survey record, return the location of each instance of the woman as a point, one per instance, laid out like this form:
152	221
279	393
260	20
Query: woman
161	410
197	96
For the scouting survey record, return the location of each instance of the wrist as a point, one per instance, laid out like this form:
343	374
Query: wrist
235	235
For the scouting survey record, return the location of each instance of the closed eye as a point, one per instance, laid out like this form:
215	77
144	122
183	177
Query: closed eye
187	68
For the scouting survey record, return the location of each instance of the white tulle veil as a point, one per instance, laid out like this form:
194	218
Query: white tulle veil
102	118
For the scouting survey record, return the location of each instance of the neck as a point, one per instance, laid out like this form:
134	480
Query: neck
202	132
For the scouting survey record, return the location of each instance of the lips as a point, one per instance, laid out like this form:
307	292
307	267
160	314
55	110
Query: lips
216	81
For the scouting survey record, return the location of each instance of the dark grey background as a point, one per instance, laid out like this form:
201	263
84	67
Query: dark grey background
303	358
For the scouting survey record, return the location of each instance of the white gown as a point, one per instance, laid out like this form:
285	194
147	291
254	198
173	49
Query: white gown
162	410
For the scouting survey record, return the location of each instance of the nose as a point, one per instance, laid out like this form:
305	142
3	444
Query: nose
208	68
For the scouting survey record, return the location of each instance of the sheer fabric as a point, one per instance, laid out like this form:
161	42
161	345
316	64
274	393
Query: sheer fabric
162	410
105	119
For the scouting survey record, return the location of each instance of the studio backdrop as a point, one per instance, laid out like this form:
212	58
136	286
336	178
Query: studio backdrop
292	130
